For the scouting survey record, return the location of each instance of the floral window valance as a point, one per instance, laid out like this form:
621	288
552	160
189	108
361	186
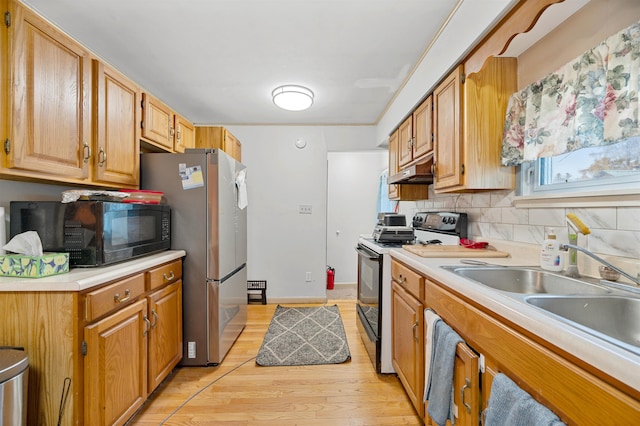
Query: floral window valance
591	101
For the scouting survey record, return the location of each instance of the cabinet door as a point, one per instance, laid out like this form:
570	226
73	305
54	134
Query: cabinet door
422	128
408	344
157	124
165	338
405	142
49	100
466	386
232	146
209	137
185	134
116	155
447	131
115	367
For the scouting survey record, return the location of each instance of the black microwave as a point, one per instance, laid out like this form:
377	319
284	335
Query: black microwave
94	233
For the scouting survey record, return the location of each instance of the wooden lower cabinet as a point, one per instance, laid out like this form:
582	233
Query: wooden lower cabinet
129	353
466	388
408	343
115	367
165	336
109	346
576	393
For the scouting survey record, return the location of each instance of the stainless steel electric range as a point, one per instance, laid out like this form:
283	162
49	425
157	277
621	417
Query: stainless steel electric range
374	272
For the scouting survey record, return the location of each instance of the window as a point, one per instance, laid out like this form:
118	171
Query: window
588	170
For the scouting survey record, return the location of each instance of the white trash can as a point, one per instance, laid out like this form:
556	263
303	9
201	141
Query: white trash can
14	378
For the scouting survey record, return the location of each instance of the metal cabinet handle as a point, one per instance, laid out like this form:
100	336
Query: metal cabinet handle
467	384
401	279
102	157
172	131
87	152
127	296
169	277
155	316
413	331
146	330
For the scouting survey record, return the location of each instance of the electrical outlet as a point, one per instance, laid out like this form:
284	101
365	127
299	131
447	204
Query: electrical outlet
305	209
191	349
308	277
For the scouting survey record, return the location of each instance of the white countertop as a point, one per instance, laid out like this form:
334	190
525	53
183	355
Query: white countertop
78	279
612	360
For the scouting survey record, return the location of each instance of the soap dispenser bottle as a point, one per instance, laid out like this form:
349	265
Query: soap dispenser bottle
551	257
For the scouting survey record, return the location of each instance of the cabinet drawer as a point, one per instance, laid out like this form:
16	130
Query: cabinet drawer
164	274
105	299
408	279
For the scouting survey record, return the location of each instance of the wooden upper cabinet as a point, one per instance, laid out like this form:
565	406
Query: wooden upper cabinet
163	128
157	122
468	121
219	137
423	128
447	120
402	192
405	142
415	139
185	136
116	151
48	88
233	146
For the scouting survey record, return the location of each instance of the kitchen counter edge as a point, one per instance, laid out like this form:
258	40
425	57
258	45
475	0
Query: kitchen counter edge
79	279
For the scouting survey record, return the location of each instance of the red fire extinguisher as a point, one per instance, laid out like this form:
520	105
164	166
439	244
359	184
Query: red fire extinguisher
331	273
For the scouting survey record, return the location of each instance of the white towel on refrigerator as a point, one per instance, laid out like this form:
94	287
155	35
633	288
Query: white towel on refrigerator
241	184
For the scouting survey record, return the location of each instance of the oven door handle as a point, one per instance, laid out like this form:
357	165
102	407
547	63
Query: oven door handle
368	255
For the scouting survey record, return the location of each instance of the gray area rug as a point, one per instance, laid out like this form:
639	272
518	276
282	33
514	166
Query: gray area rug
304	336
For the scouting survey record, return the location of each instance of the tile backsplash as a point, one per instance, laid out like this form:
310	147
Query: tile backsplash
615	231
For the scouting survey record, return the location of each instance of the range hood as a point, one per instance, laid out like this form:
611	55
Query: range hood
417	173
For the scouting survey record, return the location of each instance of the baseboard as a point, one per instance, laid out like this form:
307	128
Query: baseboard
299	300
344	285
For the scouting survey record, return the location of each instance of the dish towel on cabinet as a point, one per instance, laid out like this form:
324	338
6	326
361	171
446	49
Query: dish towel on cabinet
510	405
430	319
440	389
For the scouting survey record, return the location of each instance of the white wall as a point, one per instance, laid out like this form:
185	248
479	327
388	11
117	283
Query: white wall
283	245
353	182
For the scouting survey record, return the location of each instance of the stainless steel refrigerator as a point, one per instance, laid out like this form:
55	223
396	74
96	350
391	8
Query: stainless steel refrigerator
208	220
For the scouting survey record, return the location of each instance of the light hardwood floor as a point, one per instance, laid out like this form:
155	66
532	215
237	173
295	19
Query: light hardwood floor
238	392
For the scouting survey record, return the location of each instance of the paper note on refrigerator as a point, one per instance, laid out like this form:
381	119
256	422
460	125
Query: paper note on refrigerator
191	176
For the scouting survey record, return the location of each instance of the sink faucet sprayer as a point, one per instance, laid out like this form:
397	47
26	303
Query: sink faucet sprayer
572	270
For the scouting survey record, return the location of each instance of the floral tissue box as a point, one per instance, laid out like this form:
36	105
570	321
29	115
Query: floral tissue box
18	265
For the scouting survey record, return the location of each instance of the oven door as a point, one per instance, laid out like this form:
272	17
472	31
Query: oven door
368	303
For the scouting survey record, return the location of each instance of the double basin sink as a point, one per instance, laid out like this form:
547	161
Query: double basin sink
605	311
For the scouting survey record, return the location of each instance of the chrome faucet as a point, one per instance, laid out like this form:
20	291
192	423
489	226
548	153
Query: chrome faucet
573	269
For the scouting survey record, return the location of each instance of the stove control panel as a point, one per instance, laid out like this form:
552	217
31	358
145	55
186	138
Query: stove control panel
445	222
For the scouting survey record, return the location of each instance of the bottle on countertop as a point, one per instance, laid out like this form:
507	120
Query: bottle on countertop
551	257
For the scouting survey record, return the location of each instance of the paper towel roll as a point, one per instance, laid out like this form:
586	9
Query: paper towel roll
3	230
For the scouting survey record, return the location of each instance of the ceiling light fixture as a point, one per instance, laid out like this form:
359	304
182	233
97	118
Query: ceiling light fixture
292	98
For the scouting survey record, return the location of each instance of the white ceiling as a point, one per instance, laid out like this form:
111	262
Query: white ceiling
217	61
